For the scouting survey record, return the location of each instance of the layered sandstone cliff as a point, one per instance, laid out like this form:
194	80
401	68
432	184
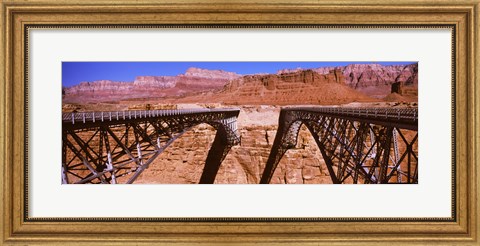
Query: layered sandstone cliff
98	86
367	75
301	87
290	80
210	74
156	81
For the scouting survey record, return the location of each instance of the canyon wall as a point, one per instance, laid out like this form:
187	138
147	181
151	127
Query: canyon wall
300	87
290	80
367	75
183	161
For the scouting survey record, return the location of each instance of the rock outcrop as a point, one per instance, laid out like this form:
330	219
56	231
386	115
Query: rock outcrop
403	89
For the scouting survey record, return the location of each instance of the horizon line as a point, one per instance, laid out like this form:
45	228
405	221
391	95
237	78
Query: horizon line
74	73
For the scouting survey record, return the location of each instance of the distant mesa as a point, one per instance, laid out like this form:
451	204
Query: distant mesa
210	74
156	81
202	79
98	87
193	81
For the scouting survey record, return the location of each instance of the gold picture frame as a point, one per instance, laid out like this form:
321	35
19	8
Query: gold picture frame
16	16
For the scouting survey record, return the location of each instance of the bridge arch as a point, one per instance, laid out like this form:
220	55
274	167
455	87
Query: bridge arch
353	145
286	138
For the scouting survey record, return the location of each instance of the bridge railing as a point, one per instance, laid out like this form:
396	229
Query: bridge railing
82	117
410	114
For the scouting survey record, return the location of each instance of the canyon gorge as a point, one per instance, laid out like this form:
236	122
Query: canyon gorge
259	97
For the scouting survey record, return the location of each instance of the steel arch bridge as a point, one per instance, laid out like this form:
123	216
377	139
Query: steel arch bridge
116	147
358	145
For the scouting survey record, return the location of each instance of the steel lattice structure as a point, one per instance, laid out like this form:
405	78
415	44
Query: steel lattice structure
358	145
116	147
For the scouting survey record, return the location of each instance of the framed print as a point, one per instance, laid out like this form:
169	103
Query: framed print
239	122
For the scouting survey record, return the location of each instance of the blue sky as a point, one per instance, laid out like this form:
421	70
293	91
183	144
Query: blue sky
76	72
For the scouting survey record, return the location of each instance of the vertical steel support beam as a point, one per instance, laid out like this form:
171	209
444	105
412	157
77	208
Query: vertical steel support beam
109	162
64	163
326	157
386	155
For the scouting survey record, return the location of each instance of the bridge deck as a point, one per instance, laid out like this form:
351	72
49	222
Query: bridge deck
108	116
406	118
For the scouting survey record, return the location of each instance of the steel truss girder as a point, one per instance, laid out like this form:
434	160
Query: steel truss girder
118	151
354	151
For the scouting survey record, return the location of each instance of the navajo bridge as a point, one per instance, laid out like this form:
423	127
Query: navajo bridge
358	145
